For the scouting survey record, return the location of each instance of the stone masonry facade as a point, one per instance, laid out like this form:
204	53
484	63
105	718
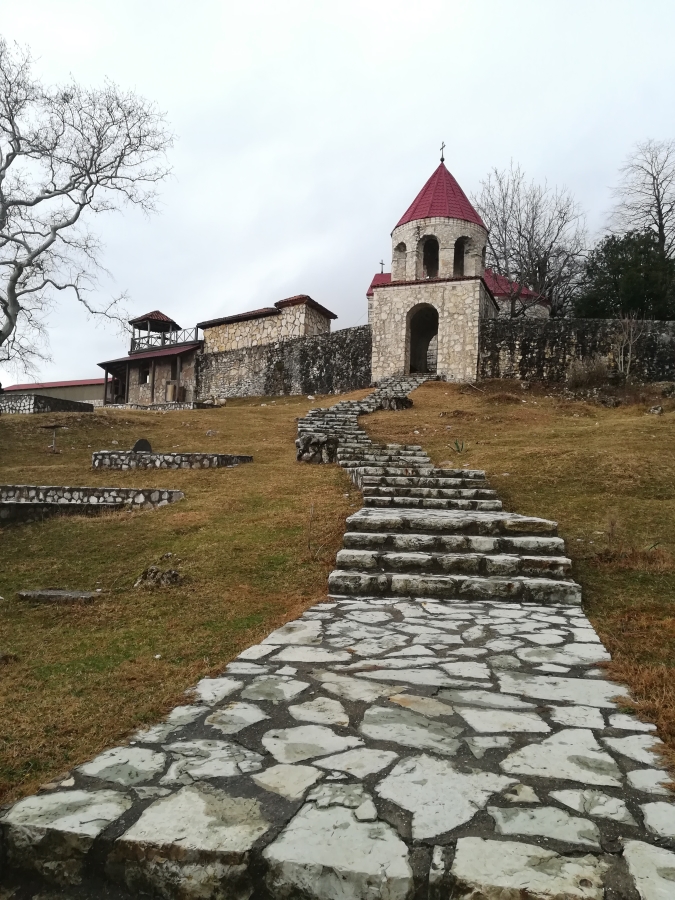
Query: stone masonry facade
289	322
460	303
323	364
150	380
408	247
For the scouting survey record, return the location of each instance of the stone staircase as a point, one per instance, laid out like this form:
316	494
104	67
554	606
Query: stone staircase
434	533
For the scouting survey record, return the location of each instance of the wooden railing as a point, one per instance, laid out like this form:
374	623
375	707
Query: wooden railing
154	341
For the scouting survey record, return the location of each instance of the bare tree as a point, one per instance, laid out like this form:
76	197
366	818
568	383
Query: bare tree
646	193
64	151
632	328
537	239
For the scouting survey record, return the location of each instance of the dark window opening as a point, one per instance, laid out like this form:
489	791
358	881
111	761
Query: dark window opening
144	376
424	341
430	258
458	262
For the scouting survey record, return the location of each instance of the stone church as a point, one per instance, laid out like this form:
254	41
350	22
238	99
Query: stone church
425	314
423	317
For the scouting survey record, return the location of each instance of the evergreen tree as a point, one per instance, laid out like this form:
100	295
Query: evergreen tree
628	275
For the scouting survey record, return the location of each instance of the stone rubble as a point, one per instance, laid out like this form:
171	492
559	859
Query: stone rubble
441	728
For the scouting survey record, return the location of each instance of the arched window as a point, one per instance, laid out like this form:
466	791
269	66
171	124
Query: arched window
458	261
423	339
430	258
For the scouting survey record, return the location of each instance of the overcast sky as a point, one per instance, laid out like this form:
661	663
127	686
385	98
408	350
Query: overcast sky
305	129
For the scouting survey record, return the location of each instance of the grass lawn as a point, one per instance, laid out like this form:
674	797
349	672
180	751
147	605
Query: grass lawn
76	679
607	476
255	544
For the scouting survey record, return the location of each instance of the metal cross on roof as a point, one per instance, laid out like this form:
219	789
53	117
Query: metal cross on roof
381	266
442	154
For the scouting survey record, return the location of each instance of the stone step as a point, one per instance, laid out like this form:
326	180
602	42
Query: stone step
373	460
530	545
422	482
453	587
320	425
422	472
366	457
347	451
431	521
358	473
429	503
439	493
503	565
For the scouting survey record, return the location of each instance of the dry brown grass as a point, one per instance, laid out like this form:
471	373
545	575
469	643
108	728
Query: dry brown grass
78	678
607	476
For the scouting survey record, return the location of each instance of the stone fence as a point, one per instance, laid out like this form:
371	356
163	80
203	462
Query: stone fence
39	403
323	364
25	502
153	407
542	350
131	459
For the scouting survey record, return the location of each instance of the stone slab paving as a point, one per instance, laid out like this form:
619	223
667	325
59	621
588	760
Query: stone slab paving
383	746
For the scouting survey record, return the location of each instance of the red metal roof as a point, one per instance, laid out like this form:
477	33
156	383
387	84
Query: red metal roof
152	354
154	316
441	196
380	278
34	386
502	287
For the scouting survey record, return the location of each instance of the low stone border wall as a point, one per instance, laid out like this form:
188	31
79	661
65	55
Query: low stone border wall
27	502
165	407
39	403
131	459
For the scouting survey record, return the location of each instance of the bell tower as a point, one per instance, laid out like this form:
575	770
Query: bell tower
425	315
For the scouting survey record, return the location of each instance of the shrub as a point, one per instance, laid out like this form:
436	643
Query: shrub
585	373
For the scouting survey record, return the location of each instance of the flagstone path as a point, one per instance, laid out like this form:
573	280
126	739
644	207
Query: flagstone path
440	728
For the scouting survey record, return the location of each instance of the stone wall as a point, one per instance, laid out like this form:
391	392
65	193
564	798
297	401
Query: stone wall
106	496
542	350
130	459
324	364
287	323
38	403
460	304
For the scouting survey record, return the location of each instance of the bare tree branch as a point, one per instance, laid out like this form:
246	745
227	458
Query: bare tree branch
537	239
646	193
65	153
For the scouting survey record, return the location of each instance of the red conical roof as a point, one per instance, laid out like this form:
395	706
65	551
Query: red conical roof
441	196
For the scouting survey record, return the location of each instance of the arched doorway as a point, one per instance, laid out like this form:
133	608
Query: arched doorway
423	340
